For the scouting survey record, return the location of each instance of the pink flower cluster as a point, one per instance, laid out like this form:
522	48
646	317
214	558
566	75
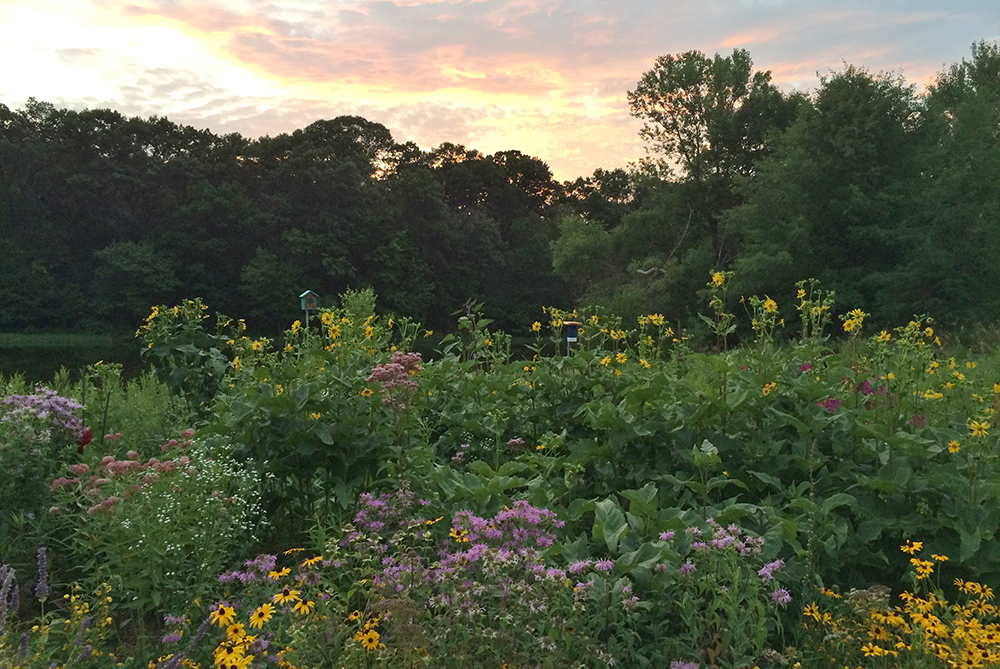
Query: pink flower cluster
396	377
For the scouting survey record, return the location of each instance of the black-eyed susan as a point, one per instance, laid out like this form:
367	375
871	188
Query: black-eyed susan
235	632
275	575
223	615
304	607
261	615
355	615
293	550
912	547
311	561
286	596
366	392
369	640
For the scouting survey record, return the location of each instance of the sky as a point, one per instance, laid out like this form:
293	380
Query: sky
546	77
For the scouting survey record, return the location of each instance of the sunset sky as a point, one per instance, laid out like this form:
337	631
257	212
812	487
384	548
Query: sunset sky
546	77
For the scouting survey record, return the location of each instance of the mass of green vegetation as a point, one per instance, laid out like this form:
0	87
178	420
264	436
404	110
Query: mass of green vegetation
331	499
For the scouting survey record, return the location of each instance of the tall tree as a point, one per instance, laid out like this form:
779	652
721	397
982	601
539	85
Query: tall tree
710	118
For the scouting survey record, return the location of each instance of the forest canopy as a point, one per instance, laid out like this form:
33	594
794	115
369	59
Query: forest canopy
888	195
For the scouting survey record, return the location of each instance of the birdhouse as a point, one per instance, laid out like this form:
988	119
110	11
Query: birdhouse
310	300
572	331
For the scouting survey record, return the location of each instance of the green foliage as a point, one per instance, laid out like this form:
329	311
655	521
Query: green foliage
162	530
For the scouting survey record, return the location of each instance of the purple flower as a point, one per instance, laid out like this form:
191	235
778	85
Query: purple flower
604	565
83	631
781	596
688	568
577	567
666	536
42	587
679	664
171	638
767	571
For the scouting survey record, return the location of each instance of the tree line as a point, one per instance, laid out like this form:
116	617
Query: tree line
889	196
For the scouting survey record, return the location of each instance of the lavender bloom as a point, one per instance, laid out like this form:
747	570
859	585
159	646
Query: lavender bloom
198	635
666	536
7	583
781	596
171	638
174	661
767	571
174	620
688	568
83	631
679	664
42	587
604	565
577	567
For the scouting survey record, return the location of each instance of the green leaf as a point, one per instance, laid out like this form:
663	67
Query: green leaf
609	524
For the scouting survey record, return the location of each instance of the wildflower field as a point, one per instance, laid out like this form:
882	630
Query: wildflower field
813	494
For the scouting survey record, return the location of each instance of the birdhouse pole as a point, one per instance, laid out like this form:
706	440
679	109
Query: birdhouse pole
310	302
572	333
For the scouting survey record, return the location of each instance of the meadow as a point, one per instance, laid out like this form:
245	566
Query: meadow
815	493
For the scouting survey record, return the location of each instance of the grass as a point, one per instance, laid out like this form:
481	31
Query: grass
55	340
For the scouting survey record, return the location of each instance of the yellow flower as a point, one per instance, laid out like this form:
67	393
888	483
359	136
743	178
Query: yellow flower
275	575
257	345
954	446
428	333
355	615
912	547
768	387
311	561
366	392
718	278
801	293
333	332
812	611
643	363
261	615
996	388
924	568
932	395
235	631
369	331
369	640
621	358
929	332
286	596
849	325
770	306
939	558
970	364
883	336
977	429
296	325
236	363
305	608
458	535
605	361
223	616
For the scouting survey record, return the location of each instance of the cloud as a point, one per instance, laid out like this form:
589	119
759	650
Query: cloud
547	77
